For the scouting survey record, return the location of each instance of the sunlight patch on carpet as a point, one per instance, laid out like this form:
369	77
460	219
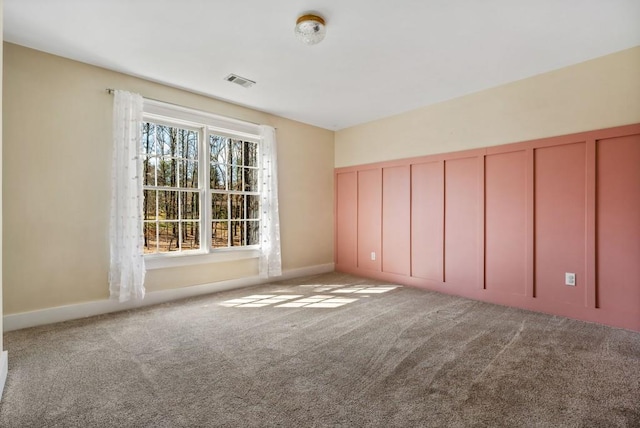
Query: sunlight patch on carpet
317	302
259	300
287	301
281	300
366	290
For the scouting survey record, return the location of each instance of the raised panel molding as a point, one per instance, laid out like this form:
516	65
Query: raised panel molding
560	195
370	219
427	221
346	215
396	220
618	225
504	224
461	213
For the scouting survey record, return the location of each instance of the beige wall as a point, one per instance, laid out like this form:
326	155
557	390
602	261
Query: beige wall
57	157
596	94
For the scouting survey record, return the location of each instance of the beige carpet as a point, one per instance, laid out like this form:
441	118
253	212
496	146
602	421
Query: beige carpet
324	351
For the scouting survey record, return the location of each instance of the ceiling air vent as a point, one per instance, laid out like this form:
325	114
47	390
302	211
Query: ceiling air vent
242	81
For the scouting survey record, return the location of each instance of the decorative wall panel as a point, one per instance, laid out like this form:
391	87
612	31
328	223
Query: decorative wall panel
396	217
505	224
618	220
560	222
346	219
461	217
369	218
427	220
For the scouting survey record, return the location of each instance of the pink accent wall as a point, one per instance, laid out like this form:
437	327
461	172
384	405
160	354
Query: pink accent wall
427	221
618	214
461	222
560	222
369	218
346	242
396	215
504	224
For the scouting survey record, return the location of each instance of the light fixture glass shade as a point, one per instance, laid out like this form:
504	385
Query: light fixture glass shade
310	29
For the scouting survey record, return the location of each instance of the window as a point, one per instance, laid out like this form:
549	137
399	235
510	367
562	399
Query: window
171	206
201	183
234	192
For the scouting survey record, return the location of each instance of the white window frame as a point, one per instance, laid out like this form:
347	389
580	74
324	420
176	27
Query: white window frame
228	192
207	124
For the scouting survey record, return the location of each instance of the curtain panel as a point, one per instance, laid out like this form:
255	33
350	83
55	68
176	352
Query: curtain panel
127	269
270	263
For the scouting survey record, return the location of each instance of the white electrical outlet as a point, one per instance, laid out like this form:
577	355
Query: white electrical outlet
570	279
373	255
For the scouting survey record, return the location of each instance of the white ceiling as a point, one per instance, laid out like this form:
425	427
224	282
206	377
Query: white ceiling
378	59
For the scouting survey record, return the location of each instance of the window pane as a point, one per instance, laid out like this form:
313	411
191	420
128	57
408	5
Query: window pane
148	138
250	179
190	205
253	206
168	205
163	140
218	176
188	174
219	207
220	234
168	237
149	204
218	149
172	149
150	242
167	172
192	168
235	152
237	206
187	144
149	168
253	233
190	235
237	233
250	154
236	178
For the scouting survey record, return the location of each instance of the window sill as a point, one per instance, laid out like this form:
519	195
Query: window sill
162	261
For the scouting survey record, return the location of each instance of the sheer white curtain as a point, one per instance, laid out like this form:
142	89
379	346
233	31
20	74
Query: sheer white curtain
127	270
270	257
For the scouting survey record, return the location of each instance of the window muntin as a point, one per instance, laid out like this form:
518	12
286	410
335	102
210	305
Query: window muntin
233	186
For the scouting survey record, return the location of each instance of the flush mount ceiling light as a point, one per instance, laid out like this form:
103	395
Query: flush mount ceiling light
310	29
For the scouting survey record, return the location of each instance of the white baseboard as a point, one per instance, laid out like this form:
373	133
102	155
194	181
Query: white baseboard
4	369
81	310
